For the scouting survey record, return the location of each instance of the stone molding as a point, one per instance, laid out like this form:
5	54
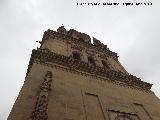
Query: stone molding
45	56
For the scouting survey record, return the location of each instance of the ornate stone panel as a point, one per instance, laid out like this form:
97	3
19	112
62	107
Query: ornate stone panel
40	111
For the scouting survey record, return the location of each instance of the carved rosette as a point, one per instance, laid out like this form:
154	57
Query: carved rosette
40	112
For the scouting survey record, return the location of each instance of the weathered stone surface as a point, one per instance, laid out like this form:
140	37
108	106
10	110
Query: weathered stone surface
59	87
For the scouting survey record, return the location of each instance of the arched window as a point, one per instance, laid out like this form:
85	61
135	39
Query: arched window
76	56
91	60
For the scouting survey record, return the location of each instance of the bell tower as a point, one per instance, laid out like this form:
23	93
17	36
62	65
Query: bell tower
70	78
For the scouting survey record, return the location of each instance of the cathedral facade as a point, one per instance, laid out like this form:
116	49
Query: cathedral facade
71	78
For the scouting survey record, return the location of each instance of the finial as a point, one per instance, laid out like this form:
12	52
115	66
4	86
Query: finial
61	29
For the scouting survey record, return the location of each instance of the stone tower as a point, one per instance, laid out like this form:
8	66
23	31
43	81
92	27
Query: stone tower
70	78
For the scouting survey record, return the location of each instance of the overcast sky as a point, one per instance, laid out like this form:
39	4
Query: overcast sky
133	32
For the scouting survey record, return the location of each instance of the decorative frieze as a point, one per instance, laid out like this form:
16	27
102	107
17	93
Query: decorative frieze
44	56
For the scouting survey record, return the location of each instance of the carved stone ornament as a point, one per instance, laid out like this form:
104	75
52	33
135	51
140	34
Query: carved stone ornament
62	30
40	111
46	85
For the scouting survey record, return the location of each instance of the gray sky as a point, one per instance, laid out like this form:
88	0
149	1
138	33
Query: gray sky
133	32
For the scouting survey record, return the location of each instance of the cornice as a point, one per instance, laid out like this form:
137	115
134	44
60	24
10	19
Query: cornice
68	38
45	56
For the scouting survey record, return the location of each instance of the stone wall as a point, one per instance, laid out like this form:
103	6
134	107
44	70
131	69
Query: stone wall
59	87
74	96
